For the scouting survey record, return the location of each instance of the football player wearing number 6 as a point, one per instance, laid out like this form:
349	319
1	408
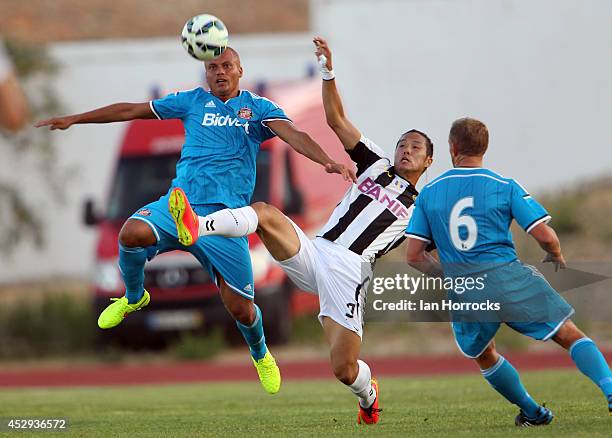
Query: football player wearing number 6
467	212
369	221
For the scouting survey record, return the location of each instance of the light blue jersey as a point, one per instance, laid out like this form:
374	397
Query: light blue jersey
467	212
222	139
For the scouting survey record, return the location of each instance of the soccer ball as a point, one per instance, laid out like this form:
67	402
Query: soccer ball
204	37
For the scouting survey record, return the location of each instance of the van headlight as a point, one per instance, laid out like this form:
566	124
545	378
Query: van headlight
107	277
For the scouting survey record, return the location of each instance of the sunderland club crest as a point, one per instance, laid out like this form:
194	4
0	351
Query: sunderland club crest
245	113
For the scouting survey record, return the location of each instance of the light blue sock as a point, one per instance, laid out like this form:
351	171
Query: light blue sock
592	364
131	265
254	335
504	379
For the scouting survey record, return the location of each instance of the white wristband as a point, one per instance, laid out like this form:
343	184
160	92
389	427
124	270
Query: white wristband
326	75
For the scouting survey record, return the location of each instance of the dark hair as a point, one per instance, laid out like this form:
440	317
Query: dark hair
471	136
428	143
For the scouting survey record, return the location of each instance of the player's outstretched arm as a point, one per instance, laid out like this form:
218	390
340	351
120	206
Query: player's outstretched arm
305	145
117	112
348	134
549	242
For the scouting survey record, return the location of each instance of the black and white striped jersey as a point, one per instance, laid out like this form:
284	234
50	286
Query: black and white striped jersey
372	217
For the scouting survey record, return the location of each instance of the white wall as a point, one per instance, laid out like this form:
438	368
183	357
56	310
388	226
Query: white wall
537	72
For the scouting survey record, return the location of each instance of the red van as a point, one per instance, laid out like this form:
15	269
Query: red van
183	296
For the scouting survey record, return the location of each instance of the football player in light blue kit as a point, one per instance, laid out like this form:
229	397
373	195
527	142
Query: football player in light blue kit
467	212
223	130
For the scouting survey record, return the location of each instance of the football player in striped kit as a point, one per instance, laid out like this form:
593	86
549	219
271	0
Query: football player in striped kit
369	221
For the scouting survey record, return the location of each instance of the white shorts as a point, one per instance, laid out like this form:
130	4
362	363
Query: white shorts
339	276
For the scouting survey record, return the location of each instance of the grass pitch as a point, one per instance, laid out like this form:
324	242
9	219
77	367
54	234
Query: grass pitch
413	406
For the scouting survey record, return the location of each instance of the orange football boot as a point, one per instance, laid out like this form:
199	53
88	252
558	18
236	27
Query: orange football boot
185	219
370	415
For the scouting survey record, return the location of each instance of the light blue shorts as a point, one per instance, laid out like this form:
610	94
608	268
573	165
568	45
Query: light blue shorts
528	304
225	256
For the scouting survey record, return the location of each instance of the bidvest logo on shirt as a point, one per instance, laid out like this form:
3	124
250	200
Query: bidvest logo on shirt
371	188
216	119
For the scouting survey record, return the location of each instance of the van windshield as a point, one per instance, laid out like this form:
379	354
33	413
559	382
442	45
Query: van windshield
141	180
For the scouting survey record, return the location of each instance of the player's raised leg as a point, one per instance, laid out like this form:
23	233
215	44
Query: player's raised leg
504	378
587	357
344	348
134	237
276	232
272	226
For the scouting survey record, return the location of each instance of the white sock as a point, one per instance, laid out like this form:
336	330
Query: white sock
362	386
229	222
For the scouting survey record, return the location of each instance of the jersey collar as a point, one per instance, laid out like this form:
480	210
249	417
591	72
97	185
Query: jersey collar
225	102
392	171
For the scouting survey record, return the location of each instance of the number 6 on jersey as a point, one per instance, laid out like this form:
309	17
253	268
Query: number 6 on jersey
457	220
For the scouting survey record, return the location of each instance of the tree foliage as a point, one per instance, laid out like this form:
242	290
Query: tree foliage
29	152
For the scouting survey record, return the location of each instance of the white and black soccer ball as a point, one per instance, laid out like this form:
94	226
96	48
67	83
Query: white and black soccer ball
204	37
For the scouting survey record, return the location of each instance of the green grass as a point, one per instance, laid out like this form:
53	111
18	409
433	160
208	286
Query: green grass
434	406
